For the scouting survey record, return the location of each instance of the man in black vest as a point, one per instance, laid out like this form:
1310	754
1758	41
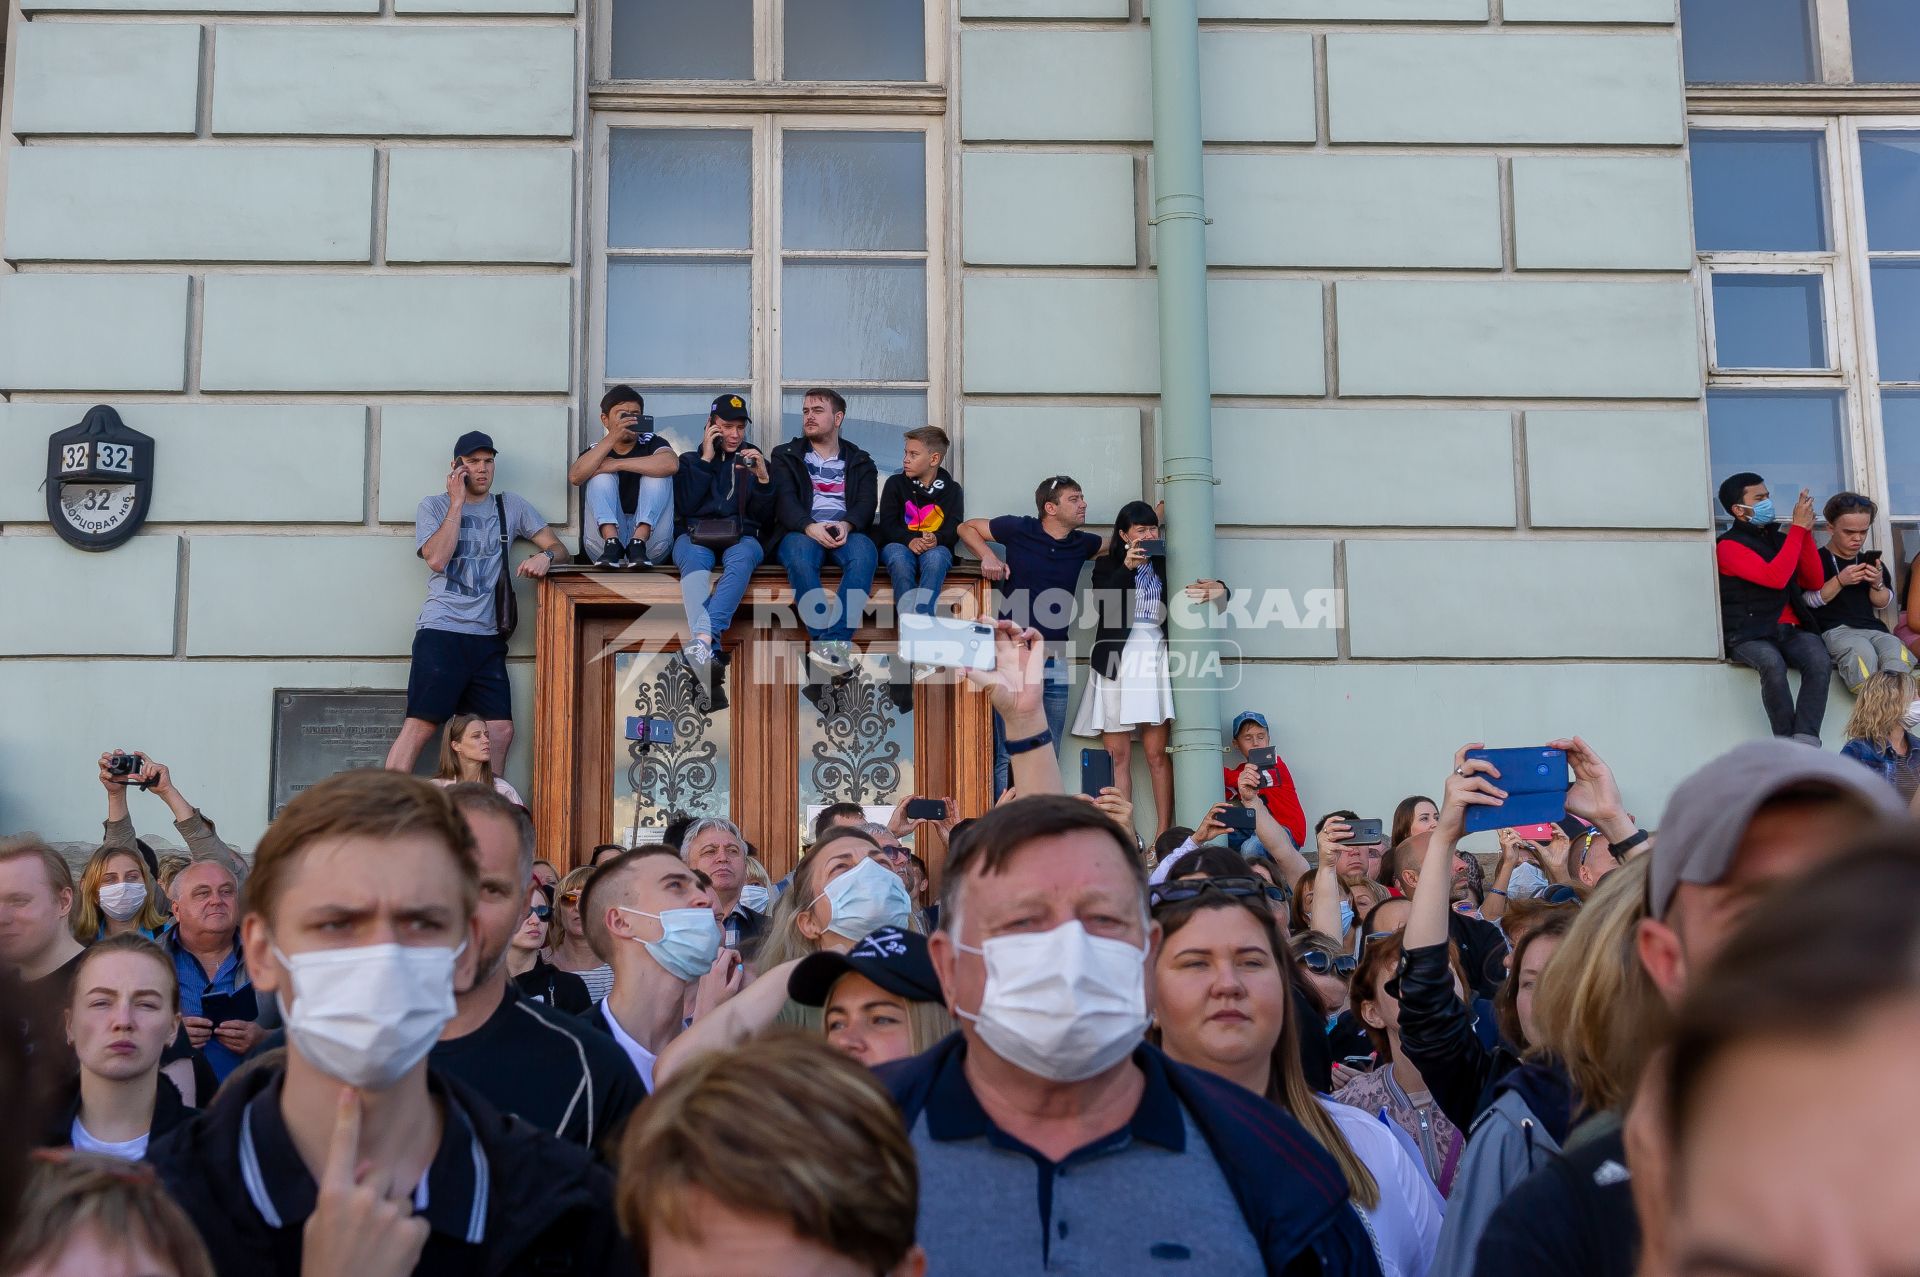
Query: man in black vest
1761	567
1845	610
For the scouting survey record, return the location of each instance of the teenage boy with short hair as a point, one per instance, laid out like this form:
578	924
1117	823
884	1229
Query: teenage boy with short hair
626	482
921	510
1042	575
1845	610
825	493
1760	569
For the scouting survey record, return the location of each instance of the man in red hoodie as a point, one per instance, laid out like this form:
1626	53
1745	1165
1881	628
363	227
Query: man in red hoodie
1761	567
1274	785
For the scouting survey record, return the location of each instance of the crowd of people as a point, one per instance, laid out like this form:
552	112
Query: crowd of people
394	1041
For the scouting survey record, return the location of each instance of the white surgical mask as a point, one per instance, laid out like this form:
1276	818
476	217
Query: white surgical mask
755	897
865	898
1912	716
689	941
366	1015
1061	1004
121	900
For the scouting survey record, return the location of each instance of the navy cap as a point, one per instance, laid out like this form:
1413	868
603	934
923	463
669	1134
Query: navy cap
895	960
474	441
731	407
1246	716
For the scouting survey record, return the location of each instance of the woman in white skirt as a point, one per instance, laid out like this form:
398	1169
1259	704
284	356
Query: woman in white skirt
1128	688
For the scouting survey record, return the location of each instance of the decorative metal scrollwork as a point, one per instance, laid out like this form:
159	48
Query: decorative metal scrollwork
679	779
856	763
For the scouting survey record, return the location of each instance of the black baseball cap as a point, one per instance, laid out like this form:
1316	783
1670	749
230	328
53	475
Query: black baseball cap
731	407
895	960
474	441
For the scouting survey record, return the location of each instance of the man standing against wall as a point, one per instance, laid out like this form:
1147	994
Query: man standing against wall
459	653
825	492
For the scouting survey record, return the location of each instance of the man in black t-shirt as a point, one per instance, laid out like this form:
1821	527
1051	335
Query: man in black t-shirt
627	487
1845	610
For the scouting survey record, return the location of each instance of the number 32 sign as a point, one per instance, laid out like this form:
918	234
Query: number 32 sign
99	480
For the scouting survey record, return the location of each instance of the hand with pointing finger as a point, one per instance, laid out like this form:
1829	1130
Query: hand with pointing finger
360	1226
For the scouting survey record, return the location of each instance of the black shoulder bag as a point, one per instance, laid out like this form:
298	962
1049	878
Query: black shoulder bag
506	605
721	532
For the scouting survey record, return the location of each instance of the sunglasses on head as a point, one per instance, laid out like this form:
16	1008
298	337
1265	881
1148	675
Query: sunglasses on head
1320	962
1240	888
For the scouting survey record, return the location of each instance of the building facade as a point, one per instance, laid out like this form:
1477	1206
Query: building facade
1460	357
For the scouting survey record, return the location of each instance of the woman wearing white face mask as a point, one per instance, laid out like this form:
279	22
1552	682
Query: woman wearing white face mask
116	897
1880	732
839	895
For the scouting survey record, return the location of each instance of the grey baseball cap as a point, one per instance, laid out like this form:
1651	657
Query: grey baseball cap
1710	810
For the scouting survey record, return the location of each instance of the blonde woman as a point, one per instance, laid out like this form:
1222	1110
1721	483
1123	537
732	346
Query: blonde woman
466	757
117	897
571	952
1879	731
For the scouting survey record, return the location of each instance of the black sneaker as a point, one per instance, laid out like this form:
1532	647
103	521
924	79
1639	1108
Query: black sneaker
612	555
637	557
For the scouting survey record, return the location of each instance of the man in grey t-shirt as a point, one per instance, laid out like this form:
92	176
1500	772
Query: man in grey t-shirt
459	657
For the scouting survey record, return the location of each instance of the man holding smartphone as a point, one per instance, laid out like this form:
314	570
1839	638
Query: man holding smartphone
1845	610
626	483
1262	777
723	502
1762	570
825	493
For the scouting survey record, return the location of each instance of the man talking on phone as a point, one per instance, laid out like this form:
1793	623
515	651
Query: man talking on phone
723	503
1845	610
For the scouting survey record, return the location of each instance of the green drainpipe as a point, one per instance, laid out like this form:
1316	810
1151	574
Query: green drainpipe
1186	403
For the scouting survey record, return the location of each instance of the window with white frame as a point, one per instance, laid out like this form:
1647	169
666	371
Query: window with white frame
1801	41
754	233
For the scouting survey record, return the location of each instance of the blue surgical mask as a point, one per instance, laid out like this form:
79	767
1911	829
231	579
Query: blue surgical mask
1763	512
865	898
1346	917
689	941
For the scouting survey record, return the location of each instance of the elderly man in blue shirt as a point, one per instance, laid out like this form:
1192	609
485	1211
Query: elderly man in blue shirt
1050	1135
217	1003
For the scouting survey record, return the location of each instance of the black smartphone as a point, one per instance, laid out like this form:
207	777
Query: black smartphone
1238	818
222	1007
1264	758
1869	556
1096	771
1365	833
926	809
1153	546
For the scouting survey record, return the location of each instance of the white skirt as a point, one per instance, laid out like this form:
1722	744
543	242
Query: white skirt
1142	694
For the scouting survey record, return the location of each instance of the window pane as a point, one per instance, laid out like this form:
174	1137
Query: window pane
860	751
677	318
680	188
1768	321
857	321
1790	438
1896	319
1759	191
689	777
855	40
854	190
1900	420
1890	172
1748	41
679	415
683	39
1886	41
875	421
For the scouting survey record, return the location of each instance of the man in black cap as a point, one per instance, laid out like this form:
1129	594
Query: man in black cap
1761	567
459	653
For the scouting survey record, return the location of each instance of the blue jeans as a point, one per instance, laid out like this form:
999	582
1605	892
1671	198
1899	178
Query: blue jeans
1053	702
601	499
828	617
709	614
917	578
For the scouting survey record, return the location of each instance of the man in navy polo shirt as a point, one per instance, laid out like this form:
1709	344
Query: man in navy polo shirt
1049	1115
1042	575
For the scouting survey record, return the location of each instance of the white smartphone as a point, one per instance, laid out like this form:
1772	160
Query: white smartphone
946	640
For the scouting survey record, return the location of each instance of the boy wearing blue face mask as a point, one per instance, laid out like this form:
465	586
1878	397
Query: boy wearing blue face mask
1762	566
647	917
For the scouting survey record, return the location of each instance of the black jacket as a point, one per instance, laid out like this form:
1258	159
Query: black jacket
1113	604
564	991
715	489
1436	1032
549	1204
892	527
793	490
1574	1216
169	1111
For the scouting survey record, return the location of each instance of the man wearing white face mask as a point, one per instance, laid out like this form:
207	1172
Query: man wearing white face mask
1049	1115
354	1158
648	918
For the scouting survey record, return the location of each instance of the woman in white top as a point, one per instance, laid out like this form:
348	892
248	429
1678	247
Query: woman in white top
123	1010
1223	1002
466	757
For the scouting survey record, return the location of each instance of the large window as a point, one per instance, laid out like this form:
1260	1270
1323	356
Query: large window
1802	41
769	41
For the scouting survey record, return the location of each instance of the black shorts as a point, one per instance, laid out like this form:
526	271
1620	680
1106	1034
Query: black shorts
458	674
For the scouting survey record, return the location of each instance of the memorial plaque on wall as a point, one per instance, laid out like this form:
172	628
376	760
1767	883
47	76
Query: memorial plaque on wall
321	731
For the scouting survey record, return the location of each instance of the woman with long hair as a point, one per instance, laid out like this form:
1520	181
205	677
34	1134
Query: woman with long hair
1128	687
838	895
1222	1003
1415	815
571	951
466	757
117	897
537	979
1879	731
